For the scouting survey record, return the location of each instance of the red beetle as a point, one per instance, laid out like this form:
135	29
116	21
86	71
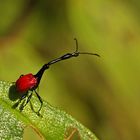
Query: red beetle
30	82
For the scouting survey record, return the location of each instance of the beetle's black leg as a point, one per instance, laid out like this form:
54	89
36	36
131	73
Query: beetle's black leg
40	99
23	96
28	99
17	103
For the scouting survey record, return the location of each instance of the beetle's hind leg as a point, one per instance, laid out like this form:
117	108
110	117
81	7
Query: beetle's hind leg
40	99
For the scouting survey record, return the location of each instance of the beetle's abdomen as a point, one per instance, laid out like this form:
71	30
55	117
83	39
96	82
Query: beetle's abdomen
25	83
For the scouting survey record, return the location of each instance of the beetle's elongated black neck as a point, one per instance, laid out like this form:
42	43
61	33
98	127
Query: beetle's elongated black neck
63	57
46	66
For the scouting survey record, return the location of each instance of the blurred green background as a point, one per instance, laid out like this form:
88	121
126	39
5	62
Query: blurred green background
102	93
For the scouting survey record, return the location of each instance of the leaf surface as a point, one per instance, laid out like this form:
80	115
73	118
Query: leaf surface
52	124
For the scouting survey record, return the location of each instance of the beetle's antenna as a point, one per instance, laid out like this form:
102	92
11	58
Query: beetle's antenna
76	45
76	51
89	53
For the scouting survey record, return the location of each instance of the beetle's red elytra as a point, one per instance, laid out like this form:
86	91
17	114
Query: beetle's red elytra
26	83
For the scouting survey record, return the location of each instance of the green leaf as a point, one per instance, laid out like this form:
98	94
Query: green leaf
53	124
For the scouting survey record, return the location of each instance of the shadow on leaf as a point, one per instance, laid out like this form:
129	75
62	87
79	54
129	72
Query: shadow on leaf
13	94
